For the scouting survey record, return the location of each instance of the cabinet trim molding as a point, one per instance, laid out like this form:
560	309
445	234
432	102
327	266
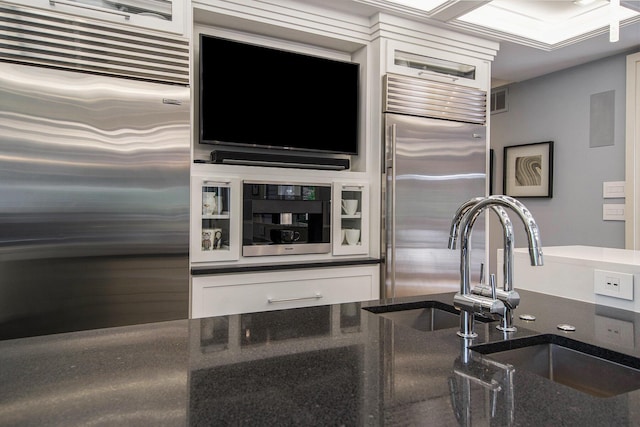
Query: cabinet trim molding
228	269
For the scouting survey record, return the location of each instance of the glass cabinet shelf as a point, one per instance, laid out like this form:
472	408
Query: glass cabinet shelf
223	215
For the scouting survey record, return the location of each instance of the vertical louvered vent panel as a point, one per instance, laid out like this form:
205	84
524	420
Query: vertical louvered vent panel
429	98
50	39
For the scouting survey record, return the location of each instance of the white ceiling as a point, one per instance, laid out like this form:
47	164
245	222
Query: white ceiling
516	62
544	24
540	36
581	35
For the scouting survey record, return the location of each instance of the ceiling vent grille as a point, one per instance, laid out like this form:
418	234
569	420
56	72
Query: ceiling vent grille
49	39
430	98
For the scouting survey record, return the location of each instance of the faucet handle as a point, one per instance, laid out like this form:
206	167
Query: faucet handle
492	284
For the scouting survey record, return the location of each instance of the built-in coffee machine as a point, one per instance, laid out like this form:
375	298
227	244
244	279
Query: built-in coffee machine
284	219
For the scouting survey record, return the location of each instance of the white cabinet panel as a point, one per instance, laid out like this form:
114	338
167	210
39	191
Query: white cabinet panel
224	294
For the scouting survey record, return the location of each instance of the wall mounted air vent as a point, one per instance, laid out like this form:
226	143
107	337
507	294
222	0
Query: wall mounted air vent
50	39
499	101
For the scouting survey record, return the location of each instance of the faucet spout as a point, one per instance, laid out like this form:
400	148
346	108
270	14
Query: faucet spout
508	238
455	223
531	228
464	220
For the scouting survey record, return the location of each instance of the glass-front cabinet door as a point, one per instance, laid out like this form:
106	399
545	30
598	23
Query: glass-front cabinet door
162	15
215	219
351	219
436	65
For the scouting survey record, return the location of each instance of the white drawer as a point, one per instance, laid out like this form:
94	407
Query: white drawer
246	293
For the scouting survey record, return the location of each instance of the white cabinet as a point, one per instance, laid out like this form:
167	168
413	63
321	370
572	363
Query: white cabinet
161	15
350	218
435	64
216	295
215	218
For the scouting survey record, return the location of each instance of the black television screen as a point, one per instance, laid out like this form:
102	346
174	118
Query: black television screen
256	96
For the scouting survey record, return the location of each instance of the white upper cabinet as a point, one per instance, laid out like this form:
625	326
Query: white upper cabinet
160	15
435	64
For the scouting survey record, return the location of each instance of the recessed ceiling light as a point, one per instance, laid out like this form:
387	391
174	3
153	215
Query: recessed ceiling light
583	2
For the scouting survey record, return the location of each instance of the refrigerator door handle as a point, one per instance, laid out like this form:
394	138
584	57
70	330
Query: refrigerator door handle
391	218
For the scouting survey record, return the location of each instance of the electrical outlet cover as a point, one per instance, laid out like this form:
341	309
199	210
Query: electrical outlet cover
613	284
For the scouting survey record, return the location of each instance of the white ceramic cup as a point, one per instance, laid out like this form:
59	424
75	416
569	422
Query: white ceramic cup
344	234
352	235
349	206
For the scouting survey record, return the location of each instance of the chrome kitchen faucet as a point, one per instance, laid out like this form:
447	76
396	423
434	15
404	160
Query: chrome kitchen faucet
509	296
487	299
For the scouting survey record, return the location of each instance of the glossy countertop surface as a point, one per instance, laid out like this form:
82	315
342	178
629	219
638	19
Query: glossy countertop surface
326	365
581	254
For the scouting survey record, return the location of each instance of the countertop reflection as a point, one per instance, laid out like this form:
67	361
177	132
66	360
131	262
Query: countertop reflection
325	365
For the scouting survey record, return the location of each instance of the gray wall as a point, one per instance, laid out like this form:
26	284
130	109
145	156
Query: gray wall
556	107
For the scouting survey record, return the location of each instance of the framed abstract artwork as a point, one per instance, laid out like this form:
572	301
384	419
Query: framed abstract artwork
528	170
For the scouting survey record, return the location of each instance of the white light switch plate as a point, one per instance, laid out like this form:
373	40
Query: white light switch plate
613	189
613	212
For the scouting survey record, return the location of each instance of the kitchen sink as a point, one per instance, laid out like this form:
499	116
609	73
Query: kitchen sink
586	368
421	315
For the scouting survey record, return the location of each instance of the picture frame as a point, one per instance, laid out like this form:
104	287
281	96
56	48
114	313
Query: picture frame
528	170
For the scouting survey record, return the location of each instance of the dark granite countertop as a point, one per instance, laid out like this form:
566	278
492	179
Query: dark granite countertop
326	365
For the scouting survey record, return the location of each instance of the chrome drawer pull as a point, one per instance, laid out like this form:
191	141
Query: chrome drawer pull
276	300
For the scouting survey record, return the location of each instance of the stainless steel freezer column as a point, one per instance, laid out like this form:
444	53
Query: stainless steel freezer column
432	166
94	201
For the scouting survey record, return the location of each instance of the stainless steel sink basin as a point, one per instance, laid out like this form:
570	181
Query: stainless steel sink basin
589	369
422	315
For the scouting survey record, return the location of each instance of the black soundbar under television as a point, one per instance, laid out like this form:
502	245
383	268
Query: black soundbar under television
278	160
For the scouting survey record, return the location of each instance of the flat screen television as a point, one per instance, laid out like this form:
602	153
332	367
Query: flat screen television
255	96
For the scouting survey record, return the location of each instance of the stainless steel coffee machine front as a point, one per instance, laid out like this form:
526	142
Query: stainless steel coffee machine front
286	219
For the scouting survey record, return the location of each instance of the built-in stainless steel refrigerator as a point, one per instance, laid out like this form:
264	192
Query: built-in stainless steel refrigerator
94	180
435	159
